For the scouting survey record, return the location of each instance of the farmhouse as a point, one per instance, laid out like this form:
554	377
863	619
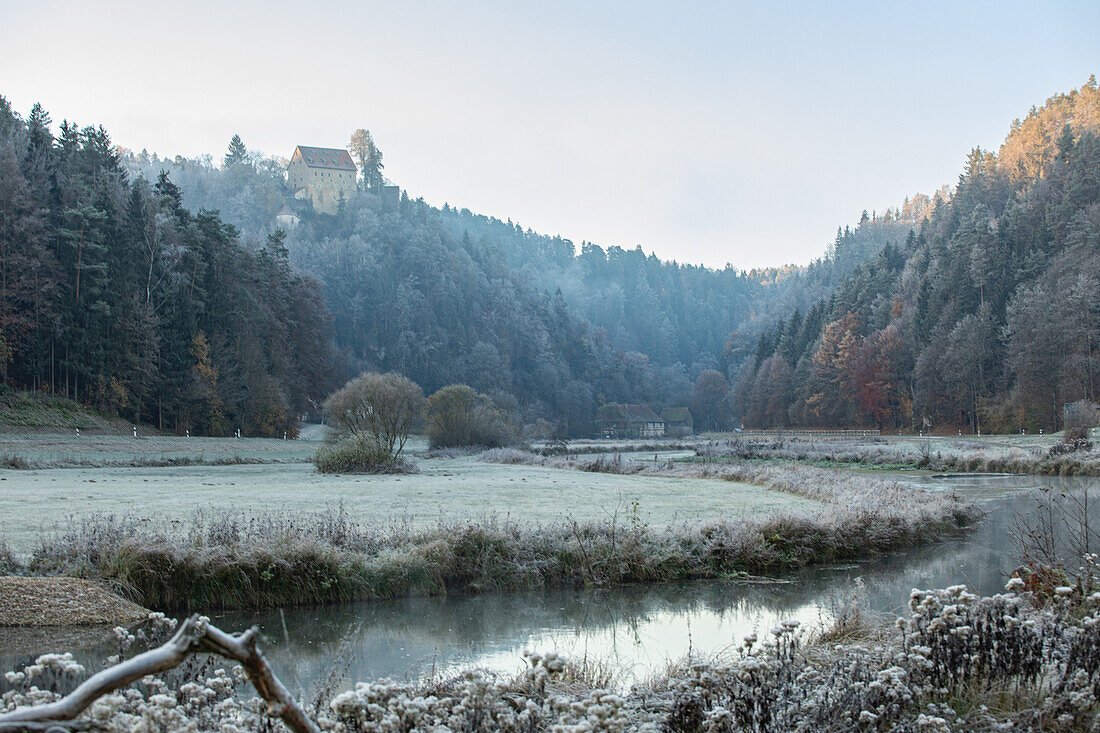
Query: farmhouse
678	421
615	420
325	176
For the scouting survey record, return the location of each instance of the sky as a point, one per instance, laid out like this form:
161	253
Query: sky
706	132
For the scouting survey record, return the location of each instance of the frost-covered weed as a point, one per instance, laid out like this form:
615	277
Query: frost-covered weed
962	663
513	456
8	562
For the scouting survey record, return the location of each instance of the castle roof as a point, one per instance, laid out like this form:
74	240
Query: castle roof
333	158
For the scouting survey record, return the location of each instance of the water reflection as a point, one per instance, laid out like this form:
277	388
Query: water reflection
637	630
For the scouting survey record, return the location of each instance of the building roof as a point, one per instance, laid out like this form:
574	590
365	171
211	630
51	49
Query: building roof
286	211
627	413
676	414
333	158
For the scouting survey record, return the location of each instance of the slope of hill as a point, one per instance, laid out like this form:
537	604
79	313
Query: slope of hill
446	295
987	318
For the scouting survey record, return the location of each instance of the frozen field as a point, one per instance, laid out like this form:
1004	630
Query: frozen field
445	489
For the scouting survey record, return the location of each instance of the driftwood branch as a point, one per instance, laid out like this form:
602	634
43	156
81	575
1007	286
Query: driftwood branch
194	636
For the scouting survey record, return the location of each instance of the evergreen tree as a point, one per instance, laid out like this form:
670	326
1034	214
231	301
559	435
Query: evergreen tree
237	154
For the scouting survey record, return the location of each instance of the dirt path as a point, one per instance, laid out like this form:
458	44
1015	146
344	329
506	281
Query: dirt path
62	602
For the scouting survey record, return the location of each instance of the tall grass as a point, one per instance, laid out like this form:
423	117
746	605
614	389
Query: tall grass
8	563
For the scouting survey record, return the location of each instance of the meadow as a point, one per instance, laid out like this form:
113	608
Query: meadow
445	489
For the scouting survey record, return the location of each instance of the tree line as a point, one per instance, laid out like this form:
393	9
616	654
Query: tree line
114	293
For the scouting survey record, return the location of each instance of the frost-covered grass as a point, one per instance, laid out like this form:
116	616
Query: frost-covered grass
206	537
956	662
449	490
995	454
229	559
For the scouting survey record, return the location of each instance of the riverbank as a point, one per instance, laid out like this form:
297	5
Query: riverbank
62	602
224	558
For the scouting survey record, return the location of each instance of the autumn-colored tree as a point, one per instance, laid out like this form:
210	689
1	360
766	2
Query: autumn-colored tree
834	366
771	394
369	158
207	412
876	373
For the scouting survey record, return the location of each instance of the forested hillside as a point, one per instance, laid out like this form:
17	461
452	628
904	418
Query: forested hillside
408	295
160	290
115	294
445	295
985	318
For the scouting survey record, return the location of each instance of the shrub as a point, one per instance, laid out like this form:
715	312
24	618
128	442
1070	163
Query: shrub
459	416
380	409
358	455
1077	432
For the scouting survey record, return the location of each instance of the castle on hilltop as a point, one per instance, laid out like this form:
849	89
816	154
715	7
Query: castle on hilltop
325	176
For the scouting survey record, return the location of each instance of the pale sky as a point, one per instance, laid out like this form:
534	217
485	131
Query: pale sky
707	132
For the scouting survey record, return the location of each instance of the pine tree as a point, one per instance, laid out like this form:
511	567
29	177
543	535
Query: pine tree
237	154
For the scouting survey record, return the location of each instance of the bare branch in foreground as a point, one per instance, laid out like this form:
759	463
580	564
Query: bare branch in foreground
195	635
